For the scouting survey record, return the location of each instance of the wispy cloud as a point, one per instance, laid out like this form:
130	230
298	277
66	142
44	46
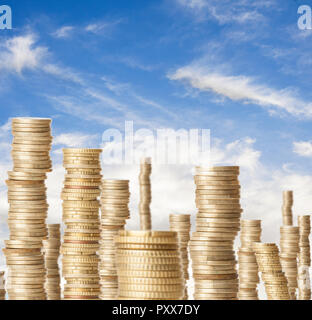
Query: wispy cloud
102	27
63	32
242	88
64	73
136	64
114	86
224	12
303	148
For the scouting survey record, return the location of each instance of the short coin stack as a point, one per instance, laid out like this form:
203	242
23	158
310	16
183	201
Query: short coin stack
217	224
304	258
289	249
51	250
28	208
248	267
149	266
114	207
2	288
181	223
274	279
81	217
145	194
287	214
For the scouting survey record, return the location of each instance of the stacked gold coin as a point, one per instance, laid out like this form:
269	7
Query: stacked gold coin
145	194
287	214
81	217
2	287
289	246
248	267
51	250
274	279
217	224
149	266
304	258
181	223
114	207
28	208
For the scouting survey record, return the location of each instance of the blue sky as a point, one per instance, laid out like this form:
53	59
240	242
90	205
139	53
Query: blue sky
240	68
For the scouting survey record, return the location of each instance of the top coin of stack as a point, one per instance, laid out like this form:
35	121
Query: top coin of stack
145	194
28	207
217	224
181	223
268	260
304	258
289	245
81	216
248	268
114	207
149	266
288	201
51	249
2	289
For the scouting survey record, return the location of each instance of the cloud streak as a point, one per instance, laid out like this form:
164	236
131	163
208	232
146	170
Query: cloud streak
242	89
63	32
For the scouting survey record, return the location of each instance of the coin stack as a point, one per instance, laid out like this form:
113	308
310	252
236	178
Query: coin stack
248	267
51	250
28	208
289	246
145	194
274	279
149	266
217	224
81	217
2	289
114	207
181	223
304	258
287	214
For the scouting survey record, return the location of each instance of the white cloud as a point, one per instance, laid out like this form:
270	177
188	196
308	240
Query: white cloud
75	140
303	148
102	27
63	32
242	88
24	53
19	53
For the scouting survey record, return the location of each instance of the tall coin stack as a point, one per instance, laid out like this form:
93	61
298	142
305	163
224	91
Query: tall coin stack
2	289
114	207
217	224
145	194
149	266
287	214
181	223
28	208
248	267
51	250
289	249
304	258
81	217
274	279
